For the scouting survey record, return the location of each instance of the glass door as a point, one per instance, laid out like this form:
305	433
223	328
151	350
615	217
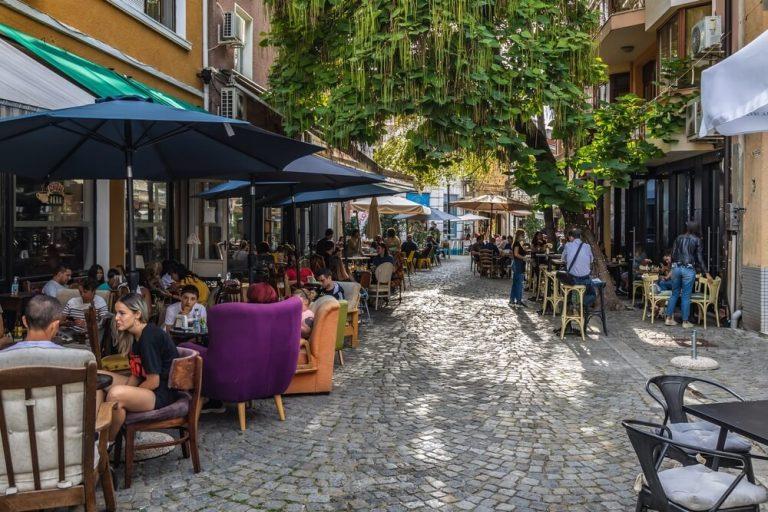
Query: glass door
206	243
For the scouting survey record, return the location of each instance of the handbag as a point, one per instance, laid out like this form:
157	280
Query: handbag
564	276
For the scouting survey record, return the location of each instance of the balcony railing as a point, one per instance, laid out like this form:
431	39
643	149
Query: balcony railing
610	7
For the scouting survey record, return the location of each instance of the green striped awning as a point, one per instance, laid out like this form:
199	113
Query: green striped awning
95	78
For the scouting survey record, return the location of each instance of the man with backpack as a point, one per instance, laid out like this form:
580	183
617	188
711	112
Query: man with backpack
578	264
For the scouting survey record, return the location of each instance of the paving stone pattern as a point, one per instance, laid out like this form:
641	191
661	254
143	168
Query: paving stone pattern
453	401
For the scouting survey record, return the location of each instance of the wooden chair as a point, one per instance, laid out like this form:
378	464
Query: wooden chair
64	465
382	288
486	266
706	298
92	329
410	265
365	284
653	299
425	261
352	294
578	315
555	298
186	376
541	282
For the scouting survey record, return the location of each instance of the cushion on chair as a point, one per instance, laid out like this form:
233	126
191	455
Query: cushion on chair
663	293
177	409
705	434
698	488
697	296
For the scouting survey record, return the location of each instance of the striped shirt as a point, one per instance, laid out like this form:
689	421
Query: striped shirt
76	308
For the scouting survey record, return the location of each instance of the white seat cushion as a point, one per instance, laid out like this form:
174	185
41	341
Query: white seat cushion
699	488
705	434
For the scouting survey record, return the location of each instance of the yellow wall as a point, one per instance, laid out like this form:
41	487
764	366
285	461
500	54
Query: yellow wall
108	24
755	220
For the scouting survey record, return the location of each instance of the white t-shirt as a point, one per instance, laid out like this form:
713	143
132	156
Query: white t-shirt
175	309
52	288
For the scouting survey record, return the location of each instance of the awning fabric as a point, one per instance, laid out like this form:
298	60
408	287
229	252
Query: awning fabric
95	78
25	81
734	92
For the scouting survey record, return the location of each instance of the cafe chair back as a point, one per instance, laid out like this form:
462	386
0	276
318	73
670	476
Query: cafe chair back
669	391
382	288
322	347
185	377
244	362
48	421
352	294
692	487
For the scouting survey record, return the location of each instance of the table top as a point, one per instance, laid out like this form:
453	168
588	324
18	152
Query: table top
360	257
745	418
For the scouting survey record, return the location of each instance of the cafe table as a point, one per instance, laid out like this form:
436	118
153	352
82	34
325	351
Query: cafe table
15	302
748	418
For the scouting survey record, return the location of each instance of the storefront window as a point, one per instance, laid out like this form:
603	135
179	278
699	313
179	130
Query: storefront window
210	224
53	226
237	251
150	201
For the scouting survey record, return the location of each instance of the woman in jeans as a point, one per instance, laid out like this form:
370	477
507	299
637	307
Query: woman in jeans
518	270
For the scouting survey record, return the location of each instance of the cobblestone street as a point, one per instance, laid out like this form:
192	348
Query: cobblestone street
453	401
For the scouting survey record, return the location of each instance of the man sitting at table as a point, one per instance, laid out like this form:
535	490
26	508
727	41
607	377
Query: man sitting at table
409	245
475	248
76	306
58	282
42	318
577	256
328	286
490	245
325	247
187	306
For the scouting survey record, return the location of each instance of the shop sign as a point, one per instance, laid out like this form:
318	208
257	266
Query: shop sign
52	195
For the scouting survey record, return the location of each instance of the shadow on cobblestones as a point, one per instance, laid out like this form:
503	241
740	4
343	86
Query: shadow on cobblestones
452	401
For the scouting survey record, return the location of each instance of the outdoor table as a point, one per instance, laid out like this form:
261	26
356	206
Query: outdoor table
15	303
180	336
745	418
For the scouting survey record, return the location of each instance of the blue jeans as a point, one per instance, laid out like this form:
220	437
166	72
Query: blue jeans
682	283
518	271
665	284
589	294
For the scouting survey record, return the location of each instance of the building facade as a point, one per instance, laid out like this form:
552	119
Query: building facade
713	180
68	53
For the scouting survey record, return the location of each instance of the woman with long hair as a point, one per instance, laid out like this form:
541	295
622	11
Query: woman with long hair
96	274
518	270
150	352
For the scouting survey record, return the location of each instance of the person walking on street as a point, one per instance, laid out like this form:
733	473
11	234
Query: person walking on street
578	263
687	257
518	270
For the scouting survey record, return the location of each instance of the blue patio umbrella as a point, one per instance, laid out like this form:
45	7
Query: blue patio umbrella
279	193
133	138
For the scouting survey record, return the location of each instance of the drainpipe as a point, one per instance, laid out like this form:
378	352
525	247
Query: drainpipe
737	192
206	98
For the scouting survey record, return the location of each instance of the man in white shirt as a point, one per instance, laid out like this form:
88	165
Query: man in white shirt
578	262
188	306
60	278
76	306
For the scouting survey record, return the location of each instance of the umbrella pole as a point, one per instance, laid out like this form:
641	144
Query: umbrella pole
133	276
343	234
252	229
295	240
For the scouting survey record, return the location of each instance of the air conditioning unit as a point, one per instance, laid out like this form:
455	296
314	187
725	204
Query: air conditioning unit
693	115
231	30
232	103
706	36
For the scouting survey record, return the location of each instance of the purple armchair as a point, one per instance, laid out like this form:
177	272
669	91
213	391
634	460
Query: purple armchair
252	352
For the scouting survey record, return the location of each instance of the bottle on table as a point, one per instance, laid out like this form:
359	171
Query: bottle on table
196	322
15	286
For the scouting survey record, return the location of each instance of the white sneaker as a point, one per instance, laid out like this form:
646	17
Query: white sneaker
670	321
687	325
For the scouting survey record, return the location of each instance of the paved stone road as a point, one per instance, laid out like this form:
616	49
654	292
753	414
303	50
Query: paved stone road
453	401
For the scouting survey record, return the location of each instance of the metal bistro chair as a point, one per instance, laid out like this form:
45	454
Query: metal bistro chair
689	488
669	391
365	284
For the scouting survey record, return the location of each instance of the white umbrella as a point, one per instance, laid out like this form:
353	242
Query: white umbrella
471	217
392	205
734	92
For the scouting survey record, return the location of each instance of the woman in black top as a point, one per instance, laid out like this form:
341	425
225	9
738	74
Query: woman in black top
150	352
518	269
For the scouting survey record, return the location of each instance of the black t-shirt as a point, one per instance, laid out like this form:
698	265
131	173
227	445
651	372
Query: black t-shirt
324	246
521	250
153	353
409	247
